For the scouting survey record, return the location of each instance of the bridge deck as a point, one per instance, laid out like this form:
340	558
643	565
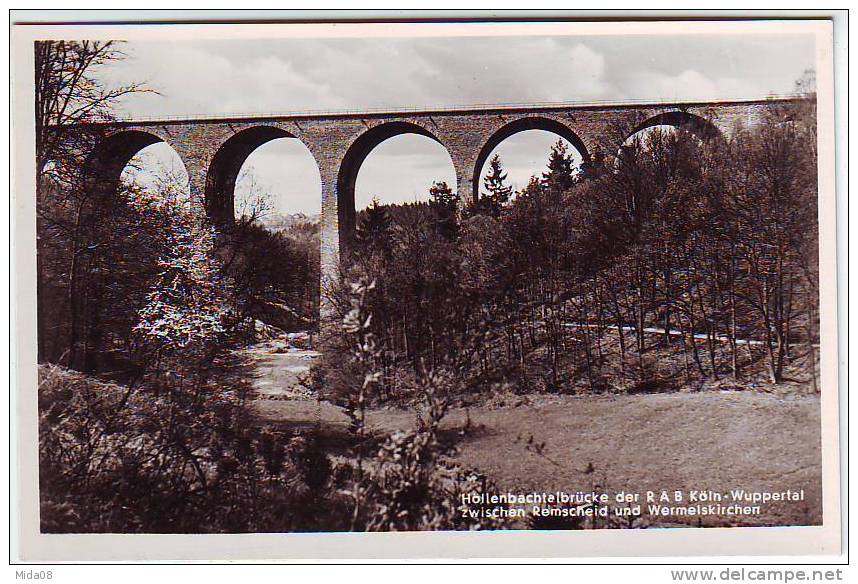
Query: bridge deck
449	110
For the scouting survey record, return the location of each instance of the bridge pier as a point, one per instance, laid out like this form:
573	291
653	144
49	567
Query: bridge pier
463	164
197	174
330	247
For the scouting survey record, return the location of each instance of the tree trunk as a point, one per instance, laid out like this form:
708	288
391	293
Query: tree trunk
734	356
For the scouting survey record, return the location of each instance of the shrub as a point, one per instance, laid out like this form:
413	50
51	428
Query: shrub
409	482
114	459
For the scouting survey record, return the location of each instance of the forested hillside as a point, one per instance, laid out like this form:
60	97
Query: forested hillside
679	263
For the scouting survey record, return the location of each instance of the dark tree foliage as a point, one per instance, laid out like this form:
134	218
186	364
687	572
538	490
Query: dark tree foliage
275	274
68	93
680	261
497	192
373	226
446	205
561	168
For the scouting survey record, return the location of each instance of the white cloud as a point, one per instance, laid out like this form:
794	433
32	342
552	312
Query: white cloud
194	81
218	77
286	173
691	85
402	169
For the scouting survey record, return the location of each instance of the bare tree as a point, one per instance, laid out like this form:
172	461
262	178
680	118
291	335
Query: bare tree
68	93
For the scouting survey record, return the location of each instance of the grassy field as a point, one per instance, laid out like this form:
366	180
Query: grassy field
716	440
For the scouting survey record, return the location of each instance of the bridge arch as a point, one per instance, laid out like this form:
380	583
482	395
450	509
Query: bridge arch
355	156
111	154
226	163
521	125
697	125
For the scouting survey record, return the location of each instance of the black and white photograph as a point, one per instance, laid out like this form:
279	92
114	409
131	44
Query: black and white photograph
432	277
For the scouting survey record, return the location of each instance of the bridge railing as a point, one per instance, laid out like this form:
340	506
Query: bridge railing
446	109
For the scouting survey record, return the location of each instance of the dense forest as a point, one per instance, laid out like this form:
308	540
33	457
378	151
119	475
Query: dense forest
669	263
679	263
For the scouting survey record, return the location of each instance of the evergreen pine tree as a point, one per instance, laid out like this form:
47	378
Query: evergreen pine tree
497	191
373	227
561	168
442	196
445	203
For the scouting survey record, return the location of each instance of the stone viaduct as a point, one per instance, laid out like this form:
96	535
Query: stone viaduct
214	149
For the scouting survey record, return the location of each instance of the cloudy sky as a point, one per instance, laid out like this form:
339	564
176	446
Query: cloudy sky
247	76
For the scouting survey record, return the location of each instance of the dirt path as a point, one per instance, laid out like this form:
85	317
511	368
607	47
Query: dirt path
280	385
281	375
